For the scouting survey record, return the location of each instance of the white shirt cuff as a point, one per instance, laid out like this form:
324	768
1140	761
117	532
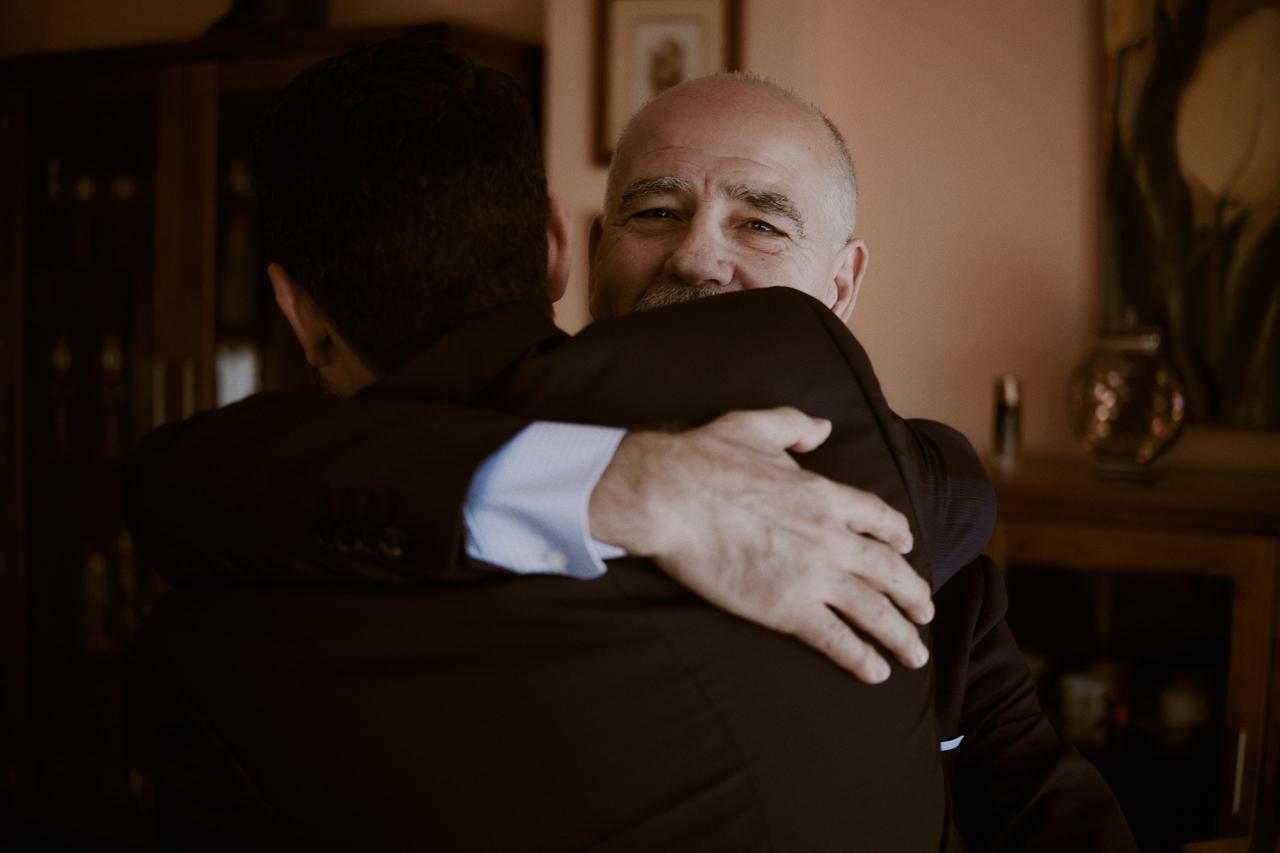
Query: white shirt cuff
526	510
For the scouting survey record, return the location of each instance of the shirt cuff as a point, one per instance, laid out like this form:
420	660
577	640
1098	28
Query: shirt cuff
526	510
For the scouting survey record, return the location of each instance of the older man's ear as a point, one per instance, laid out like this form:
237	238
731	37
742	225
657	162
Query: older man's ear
851	266
559	246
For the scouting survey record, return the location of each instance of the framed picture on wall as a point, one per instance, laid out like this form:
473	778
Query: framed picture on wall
648	46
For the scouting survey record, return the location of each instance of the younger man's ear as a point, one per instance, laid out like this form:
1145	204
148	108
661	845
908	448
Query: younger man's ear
559	246
308	324
851	266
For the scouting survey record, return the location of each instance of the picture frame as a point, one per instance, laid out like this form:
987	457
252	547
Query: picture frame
647	46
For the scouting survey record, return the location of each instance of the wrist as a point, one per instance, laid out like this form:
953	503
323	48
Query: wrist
623	509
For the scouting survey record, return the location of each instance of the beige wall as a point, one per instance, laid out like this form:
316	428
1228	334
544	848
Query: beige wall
974	129
569	135
973	125
520	19
38	26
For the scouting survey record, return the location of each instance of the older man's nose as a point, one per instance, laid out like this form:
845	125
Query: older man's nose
700	258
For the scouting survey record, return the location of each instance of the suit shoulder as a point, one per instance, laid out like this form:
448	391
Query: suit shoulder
781	305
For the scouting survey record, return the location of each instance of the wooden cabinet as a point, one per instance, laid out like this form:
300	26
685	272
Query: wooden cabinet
1148	612
132	293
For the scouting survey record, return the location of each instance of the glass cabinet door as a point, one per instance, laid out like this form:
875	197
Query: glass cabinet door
254	348
13	690
1150	654
133	293
87	279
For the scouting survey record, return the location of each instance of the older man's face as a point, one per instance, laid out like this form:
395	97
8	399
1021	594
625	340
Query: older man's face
722	189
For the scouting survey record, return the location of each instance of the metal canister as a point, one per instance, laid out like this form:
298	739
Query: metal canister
1008	422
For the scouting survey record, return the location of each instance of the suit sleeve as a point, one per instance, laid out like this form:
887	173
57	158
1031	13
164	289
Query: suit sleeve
206	799
306	487
1015	784
954	496
954	501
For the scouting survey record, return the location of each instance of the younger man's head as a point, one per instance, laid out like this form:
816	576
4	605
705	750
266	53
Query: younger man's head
401	191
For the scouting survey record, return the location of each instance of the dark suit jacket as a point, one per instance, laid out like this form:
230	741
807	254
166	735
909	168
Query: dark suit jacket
513	361
1015	784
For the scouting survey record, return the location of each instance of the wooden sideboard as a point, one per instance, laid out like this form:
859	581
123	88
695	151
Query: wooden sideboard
1163	596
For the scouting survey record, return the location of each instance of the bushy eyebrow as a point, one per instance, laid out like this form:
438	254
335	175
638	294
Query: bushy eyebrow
646	187
765	201
769	201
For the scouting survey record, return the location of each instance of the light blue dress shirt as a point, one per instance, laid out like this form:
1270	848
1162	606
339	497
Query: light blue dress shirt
526	510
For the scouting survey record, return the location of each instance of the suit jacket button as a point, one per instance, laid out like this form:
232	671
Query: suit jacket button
344	542
323	536
392	542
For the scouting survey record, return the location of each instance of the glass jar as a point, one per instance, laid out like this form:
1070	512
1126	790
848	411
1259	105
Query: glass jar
1126	403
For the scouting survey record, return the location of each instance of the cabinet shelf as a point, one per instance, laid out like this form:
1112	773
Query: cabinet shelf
1162	598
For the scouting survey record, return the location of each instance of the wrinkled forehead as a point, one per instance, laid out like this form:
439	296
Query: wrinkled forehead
718	140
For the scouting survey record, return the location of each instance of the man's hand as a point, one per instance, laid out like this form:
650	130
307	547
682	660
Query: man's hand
726	512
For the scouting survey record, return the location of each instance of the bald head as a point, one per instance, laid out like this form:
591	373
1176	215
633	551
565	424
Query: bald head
740	93
726	183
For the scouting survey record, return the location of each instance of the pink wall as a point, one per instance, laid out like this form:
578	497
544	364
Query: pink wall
37	26
517	18
974	127
971	125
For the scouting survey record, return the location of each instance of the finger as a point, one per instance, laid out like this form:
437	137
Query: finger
824	631
815	432
889	574
865	513
874	615
772	430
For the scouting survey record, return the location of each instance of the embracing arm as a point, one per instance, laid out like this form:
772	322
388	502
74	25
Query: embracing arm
307	487
954	500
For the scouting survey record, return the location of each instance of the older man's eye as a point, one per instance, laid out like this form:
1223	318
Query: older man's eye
761	227
653	213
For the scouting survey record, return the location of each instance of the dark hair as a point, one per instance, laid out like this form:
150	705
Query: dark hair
403	188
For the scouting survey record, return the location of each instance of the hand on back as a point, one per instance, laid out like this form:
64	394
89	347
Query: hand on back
726	511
